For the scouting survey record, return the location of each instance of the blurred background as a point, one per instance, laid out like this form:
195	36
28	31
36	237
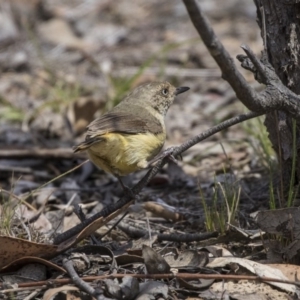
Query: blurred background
63	63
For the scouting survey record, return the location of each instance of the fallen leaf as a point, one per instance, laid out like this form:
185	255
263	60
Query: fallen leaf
154	262
12	249
257	269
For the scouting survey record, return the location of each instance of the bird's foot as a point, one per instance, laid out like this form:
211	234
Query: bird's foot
127	190
168	153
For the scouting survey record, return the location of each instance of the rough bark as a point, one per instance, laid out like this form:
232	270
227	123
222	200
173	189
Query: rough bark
280	27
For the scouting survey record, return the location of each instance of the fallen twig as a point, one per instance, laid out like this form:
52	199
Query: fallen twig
189	276
78	281
186	238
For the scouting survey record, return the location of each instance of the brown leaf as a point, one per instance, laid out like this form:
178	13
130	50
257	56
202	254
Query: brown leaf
12	249
154	262
188	259
30	259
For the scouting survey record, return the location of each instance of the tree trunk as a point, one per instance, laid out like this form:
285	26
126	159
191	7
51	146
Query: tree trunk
280	26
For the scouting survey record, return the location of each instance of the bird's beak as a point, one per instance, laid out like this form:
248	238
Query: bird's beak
181	89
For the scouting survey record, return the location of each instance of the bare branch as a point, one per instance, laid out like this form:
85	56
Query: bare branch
229	71
257	64
263	68
276	96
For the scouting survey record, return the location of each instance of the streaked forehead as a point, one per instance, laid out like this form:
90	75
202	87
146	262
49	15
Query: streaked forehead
157	85
152	88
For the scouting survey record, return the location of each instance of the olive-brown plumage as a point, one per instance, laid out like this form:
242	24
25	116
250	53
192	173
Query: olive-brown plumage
126	138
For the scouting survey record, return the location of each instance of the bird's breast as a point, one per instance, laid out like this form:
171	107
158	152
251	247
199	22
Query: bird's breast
125	153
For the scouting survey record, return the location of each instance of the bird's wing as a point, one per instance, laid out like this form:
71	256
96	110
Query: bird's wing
120	122
123	122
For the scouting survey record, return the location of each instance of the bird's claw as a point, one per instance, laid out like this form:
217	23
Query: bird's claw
168	153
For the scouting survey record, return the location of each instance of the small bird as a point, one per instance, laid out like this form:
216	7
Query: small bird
129	136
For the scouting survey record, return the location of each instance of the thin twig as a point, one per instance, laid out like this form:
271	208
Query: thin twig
132	231
258	65
213	130
186	238
115	225
158	276
79	282
81	216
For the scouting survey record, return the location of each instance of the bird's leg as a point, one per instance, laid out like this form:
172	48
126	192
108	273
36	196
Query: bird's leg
125	188
166	153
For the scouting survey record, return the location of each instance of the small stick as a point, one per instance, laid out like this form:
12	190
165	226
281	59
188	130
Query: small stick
79	282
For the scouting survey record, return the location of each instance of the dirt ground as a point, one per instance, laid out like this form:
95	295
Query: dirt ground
62	64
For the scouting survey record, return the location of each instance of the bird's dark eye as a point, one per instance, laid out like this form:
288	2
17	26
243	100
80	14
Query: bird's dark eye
165	92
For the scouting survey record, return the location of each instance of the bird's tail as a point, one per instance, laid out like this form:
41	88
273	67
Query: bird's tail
81	147
86	144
